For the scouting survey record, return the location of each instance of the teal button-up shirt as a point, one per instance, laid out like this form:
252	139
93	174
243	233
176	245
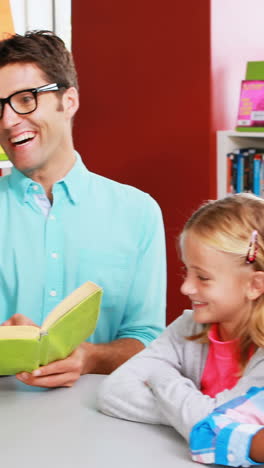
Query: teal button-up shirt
97	230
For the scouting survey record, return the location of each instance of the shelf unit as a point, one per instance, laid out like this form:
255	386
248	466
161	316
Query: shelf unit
227	141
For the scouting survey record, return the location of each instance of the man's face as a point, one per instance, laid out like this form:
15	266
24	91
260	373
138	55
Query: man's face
37	141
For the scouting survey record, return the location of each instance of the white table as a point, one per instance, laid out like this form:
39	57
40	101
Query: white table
42	428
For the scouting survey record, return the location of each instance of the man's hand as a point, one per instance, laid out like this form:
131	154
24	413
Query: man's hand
88	358
63	373
18	319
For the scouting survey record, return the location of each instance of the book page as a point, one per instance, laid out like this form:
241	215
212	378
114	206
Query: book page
17	332
77	296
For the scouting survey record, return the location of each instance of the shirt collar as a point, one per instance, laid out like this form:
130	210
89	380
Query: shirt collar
72	183
76	179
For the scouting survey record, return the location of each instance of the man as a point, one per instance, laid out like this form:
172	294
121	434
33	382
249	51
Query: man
63	225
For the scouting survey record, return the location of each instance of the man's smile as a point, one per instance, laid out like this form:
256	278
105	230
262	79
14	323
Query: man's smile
22	138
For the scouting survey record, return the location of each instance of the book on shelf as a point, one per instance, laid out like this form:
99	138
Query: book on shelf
72	321
230	173
240	158
262	178
245	171
255	70
251	103
257	162
251	106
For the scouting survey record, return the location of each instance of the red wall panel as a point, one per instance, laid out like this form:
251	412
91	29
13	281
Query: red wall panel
144	73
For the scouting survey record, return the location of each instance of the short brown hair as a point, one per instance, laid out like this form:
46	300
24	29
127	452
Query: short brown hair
44	49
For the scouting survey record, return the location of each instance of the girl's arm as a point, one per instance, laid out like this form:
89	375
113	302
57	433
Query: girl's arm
184	405
151	387
125	393
222	441
128	393
233	434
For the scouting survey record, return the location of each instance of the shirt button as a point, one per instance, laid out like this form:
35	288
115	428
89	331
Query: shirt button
53	293
52	217
35	187
230	457
54	255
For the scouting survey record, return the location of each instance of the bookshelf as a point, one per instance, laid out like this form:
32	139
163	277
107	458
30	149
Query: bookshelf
227	141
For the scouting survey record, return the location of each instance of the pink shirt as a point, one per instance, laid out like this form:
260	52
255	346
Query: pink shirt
221	369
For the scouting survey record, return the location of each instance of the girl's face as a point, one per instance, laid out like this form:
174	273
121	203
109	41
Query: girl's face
217	286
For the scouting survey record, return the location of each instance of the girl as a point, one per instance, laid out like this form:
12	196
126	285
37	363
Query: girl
214	352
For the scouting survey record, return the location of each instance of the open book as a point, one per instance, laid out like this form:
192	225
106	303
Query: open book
25	348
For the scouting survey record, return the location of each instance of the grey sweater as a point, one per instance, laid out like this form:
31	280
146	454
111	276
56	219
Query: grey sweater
172	367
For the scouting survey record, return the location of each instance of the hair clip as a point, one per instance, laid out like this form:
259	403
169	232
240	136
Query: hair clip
253	248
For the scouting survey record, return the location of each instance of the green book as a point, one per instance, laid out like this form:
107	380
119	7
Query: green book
25	348
3	155
254	72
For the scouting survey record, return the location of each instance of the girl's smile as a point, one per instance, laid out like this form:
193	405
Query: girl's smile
217	285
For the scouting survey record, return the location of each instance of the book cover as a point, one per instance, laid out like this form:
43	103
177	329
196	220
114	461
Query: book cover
25	348
255	70
3	156
251	106
248	168
240	163
257	163
230	173
262	177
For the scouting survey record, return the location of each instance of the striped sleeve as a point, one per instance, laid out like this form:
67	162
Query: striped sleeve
224	437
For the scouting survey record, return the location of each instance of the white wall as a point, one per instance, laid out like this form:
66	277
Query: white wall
53	15
236	38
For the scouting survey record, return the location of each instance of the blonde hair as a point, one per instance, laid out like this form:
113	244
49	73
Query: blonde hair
227	226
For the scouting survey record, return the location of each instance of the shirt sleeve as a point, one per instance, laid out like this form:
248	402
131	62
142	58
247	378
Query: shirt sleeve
152	387
183	404
126	393
220	438
145	311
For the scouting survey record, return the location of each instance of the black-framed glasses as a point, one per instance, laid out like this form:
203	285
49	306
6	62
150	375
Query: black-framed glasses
25	101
